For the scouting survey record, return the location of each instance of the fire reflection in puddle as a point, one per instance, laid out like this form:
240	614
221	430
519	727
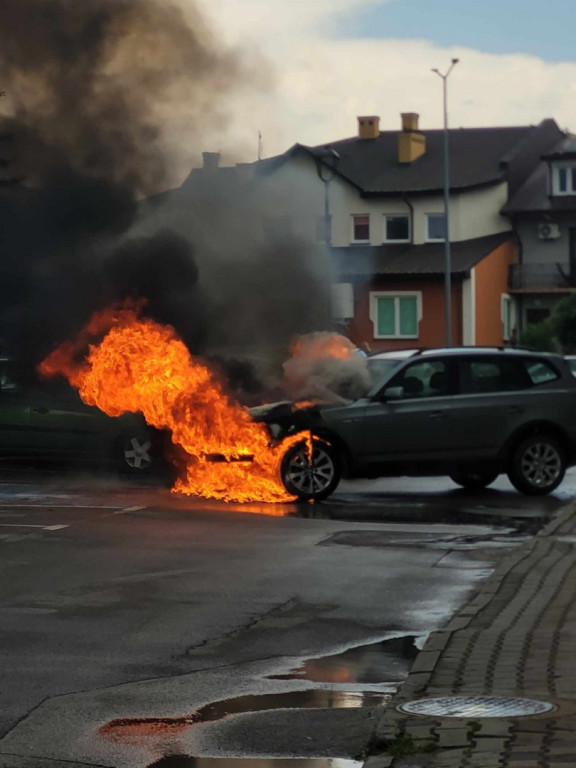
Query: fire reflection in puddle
387	661
183	761
135	730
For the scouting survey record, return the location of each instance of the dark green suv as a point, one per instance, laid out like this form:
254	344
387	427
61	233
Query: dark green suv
48	420
469	412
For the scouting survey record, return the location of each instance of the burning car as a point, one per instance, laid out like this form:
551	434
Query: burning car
470	413
48	420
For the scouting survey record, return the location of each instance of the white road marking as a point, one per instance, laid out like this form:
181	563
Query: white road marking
128	509
48	505
28	525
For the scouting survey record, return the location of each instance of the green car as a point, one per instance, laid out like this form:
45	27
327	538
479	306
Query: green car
48	420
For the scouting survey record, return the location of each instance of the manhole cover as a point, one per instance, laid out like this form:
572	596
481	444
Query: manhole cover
476	706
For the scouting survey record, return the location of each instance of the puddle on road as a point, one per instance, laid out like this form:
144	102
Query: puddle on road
379	665
387	661
129	730
183	761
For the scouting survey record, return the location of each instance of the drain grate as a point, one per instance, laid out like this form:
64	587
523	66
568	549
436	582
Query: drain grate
476	706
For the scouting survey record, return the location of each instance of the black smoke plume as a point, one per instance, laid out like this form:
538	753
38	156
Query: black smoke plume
101	97
92	92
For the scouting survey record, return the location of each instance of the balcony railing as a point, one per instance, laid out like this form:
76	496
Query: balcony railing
542	276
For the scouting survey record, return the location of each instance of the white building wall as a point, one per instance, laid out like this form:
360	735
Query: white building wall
472	214
296	188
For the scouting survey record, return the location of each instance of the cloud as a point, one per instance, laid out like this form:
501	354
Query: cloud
318	82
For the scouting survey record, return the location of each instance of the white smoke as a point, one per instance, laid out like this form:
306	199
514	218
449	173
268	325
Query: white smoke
326	367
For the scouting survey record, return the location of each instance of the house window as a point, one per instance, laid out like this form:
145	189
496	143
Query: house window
395	315
396	229
436	226
564	179
361	229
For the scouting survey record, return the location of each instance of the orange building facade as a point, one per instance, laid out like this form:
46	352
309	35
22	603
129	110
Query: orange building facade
477	306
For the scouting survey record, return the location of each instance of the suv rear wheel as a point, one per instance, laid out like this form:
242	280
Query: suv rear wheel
474	479
311	478
537	465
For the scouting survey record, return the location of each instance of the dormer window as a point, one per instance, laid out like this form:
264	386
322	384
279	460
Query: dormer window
564	178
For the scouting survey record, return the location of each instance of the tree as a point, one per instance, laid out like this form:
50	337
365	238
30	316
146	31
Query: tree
540	336
563	322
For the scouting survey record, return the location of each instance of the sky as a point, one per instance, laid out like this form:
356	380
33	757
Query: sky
318	64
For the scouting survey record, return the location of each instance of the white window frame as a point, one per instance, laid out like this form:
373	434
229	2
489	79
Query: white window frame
396	216
508	316
556	168
375	295
433	239
352	238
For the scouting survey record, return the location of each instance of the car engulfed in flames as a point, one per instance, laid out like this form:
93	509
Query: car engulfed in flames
311	466
124	362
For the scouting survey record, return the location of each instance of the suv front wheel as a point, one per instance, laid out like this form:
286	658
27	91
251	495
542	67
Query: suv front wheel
311	478
537	465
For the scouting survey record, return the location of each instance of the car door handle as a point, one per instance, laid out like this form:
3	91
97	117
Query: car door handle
41	410
438	415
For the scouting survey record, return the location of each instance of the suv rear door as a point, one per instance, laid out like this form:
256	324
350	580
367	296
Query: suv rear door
495	395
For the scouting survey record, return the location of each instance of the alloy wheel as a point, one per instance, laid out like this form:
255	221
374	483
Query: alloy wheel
137	453
541	464
311	477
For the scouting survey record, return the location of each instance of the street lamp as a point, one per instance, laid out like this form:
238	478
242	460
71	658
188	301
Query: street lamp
326	165
447	254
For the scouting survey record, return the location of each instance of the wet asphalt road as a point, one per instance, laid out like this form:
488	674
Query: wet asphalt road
125	610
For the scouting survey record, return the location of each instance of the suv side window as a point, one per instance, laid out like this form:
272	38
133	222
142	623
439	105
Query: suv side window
540	371
426	378
478	375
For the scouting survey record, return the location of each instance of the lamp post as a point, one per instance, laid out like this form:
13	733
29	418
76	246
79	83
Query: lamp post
326	165
447	253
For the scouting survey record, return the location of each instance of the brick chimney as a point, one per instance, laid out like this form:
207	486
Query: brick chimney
210	161
369	127
411	144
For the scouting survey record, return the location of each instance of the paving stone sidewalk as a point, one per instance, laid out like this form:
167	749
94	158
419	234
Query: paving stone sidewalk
517	638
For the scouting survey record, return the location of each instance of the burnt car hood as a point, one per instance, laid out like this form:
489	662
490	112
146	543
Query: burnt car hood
286	417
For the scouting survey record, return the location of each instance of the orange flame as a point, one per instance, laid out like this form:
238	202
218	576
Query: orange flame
140	365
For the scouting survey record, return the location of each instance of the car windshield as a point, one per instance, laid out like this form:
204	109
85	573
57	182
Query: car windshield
380	367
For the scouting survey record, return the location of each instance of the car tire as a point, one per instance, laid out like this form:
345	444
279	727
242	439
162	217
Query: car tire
537	465
134	452
311	480
474	479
